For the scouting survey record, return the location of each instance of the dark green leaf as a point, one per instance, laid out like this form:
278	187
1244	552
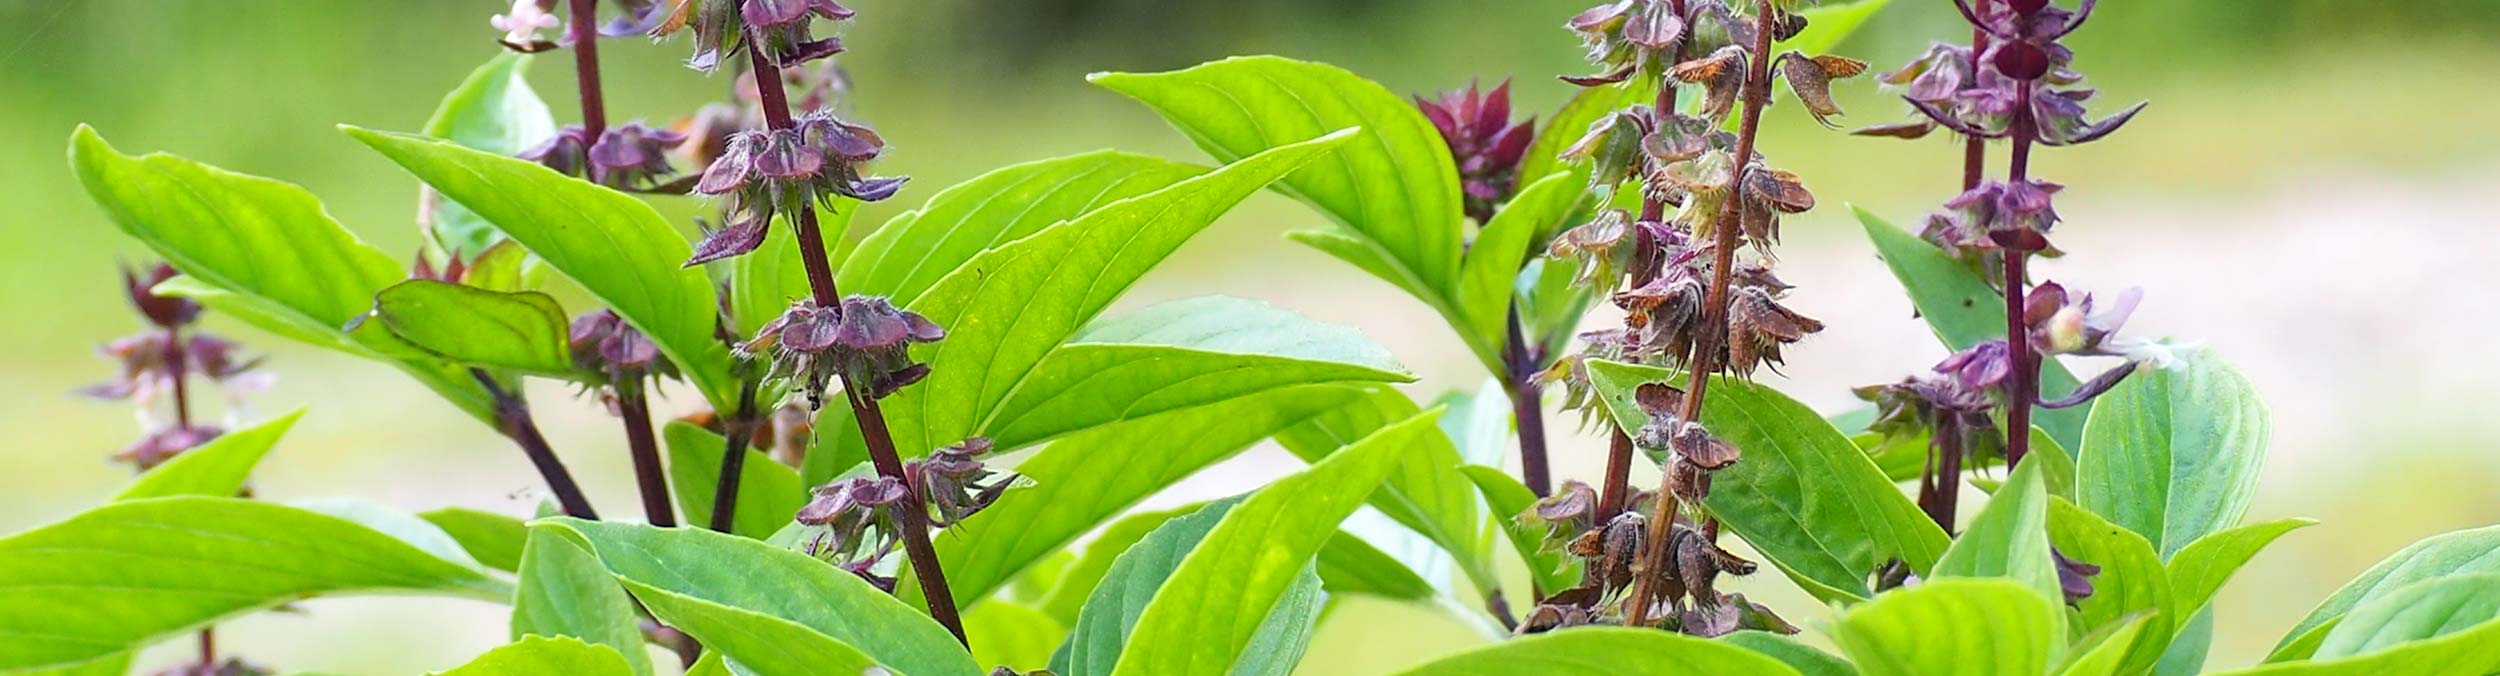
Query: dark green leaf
1964	311
1797	655
128	573
1111	611
1067	598
1803	495
768	491
565	592
1348	565
2173	453
217	468
617	247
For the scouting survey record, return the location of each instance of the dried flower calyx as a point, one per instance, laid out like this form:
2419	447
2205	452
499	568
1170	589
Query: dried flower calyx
603	342
1483	141
864	341
841	517
776	172
955	483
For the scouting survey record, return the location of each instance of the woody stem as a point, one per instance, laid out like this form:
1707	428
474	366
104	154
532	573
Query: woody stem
872	427
2021	385
634	411
1707	347
1617	485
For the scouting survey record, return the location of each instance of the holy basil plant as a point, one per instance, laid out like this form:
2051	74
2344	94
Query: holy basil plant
969	502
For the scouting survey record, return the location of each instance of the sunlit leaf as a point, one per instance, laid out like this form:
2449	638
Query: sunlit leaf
910	253
493	110
1952	627
769	492
2462	552
522	331
546	655
1611	651
217	468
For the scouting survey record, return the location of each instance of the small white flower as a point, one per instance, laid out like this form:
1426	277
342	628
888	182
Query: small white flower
521	27
2148	354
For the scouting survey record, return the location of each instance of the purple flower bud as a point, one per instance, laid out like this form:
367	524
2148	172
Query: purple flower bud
603	342
632	155
1485	145
864	341
155	449
163	311
1981	367
566	152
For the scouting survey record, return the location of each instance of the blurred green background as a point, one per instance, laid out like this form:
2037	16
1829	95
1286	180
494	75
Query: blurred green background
2310	194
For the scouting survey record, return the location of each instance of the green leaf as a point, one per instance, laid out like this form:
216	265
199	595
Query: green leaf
770	609
123	575
1952	627
2458	553
1067	598
217	468
2449	626
710	664
495	540
1804	496
2132	581
1604	651
547	655
1490	269
116	665
1397	188
1207	614
1549	570
263	251
1083	480
2009	539
768	491
1011	635
764	282
1111	610
522	331
2103	652
1805	659
616	246
1348	565
1177	355
2199	569
495	111
1964	311
1285	634
1427	492
565	592
2173	453
911	253
1008	307
1829	24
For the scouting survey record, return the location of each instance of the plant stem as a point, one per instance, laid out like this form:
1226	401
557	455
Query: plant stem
513	413
1705	359
1617	486
584	34
208	648
1940	492
635	410
1526	407
735	431
2019	387
1975	149
178	363
871	420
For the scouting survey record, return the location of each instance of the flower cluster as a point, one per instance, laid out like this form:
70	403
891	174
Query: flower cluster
781	30
2024	67
854	522
604	343
864	341
523	25
769	172
159	362
630	156
1485	143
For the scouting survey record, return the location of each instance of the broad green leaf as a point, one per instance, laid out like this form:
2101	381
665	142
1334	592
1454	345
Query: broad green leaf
1478	422
495	540
387	520
773	610
1604	651
616	246
1397	187
2173	453
1083	480
1177	355
1551	304
710	664
565	592
1427	493
1011	635
909	254
217	468
1366	255
2103	652
2448	626
547	655
1008	307
128	573
1952	627
764	282
1348	565
2132	581
1964	311
1803	495
503	267
1550	570
2199	569
1285	634
262	250
116	665
2458	553
1807	660
1207	614
1829	24
768	491
1067	598
522	331
1111	610
495	111
2009	539
1490	270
